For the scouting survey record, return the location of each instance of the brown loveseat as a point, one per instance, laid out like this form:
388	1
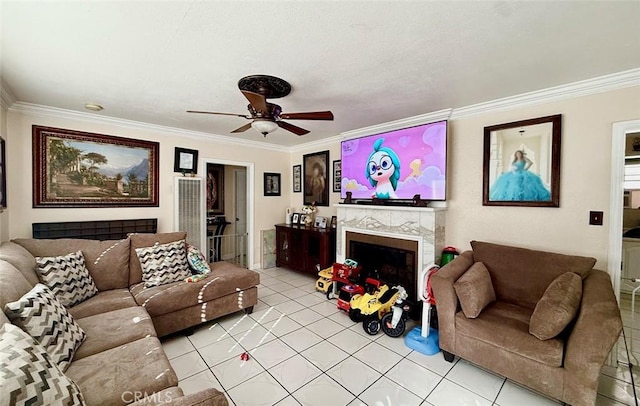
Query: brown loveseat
565	367
122	358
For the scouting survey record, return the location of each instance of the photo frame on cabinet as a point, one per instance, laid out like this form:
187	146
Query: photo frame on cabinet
295	219
522	163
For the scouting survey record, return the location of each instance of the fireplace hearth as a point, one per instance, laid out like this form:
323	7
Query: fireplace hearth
392	259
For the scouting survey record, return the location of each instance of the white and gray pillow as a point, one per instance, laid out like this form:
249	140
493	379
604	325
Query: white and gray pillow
29	375
67	277
44	318
164	263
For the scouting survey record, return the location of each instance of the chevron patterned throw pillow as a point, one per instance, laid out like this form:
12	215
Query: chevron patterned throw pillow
29	376
44	318
164	263
67	277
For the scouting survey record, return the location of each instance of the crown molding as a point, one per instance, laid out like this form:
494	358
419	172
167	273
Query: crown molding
398	124
324	142
46	111
586	87
7	98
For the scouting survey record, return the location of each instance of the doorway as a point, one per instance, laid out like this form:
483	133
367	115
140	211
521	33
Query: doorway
621	260
230	217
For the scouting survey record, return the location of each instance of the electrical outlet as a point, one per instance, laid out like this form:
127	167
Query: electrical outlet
595	218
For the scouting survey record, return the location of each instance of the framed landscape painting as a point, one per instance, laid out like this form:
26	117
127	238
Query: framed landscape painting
522	163
79	169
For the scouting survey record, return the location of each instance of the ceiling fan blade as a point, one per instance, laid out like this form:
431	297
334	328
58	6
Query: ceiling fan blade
290	127
312	115
220	114
242	129
257	101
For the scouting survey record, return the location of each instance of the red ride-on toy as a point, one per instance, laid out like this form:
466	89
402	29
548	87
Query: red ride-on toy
347	292
343	274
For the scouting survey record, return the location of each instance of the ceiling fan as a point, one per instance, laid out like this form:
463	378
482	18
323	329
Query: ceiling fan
267	117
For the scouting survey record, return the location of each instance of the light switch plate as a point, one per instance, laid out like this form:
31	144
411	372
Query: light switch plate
595	218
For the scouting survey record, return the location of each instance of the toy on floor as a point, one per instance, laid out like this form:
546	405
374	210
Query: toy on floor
343	274
347	292
425	339
395	322
324	281
370	308
244	356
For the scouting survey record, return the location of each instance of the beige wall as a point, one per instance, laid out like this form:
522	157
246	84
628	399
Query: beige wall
4	216
585	178
267	210
296	159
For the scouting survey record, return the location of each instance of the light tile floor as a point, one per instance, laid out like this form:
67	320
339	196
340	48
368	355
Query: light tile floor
304	351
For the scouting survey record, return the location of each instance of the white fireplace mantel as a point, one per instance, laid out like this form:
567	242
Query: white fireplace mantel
426	225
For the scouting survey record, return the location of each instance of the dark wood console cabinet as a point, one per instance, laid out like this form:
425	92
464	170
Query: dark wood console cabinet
302	248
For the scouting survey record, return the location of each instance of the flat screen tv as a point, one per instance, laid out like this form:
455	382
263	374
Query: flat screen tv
397	165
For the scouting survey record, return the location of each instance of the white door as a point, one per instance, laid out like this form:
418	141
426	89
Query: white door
240	179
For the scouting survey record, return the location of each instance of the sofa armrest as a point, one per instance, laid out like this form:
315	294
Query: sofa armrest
446	298
596	329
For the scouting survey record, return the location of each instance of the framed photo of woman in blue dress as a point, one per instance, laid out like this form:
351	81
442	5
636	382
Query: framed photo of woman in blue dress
522	163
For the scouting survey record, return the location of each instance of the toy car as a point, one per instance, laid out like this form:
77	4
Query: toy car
371	308
324	281
343	274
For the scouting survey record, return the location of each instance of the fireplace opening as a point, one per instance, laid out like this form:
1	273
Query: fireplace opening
394	259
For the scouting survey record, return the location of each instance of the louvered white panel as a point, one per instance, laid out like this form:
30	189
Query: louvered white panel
189	210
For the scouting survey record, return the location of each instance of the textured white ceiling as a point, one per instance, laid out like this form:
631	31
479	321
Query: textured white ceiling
368	62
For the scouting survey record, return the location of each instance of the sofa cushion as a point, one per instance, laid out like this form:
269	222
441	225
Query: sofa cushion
103	302
557	307
40	314
506	326
112	329
164	263
13	284
140	366
520	276
107	261
67	277
29	375
224	279
22	259
143	240
474	290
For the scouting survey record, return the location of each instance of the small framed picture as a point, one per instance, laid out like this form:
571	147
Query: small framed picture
295	219
337	176
185	160
271	184
303	219
321	222
297	178
334	221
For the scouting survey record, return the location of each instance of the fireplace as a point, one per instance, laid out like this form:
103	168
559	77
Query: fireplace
402	240
394	259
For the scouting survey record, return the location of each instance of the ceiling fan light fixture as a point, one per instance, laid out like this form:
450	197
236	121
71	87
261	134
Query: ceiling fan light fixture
264	127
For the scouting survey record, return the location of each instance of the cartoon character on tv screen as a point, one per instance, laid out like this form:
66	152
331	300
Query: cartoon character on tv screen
383	171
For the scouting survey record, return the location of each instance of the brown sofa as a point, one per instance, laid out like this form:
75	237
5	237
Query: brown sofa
122	358
566	367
